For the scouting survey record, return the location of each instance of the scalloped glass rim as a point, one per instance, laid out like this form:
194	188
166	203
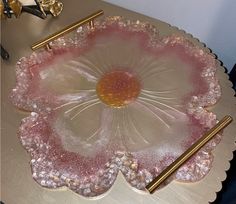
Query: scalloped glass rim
42	111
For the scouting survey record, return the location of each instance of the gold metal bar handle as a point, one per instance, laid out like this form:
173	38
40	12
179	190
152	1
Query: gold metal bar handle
153	185
89	19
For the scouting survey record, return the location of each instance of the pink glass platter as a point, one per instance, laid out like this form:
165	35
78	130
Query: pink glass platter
68	148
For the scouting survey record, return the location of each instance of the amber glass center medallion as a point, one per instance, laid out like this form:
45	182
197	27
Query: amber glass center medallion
118	88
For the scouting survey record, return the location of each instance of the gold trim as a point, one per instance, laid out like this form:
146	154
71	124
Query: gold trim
66	30
153	185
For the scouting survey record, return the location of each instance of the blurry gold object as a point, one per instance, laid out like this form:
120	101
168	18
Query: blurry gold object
15	6
153	185
66	30
42	8
2	15
53	6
